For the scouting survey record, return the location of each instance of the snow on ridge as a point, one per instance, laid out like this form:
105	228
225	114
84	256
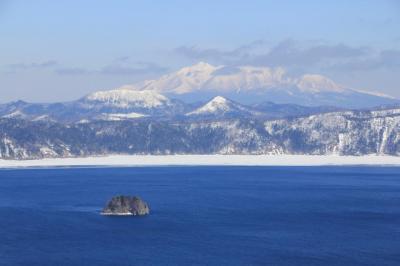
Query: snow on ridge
127	97
247	78
318	83
182	81
15	114
378	94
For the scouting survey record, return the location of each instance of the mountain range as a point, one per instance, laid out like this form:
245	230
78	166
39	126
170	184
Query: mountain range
121	104
250	110
242	91
250	84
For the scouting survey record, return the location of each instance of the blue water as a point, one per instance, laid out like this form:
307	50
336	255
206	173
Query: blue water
202	216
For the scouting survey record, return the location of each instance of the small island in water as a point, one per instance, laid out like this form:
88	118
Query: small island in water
126	205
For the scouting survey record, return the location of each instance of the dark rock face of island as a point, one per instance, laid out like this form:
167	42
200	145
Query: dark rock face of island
126	205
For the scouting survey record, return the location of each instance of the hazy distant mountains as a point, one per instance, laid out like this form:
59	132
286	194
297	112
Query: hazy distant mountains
208	91
260	116
249	84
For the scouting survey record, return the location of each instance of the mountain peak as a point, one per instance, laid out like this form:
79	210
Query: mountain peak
216	105
219	100
182	81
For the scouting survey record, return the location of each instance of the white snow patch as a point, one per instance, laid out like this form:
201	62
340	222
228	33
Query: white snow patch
14	114
122	116
42	118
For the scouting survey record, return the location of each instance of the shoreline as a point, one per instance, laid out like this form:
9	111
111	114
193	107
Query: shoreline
206	160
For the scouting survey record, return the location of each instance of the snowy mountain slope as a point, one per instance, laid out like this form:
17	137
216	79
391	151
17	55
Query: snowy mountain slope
16	114
249	84
203	76
353	133
220	107
317	83
342	133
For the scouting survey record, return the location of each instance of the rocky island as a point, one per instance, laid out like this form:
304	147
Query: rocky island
126	205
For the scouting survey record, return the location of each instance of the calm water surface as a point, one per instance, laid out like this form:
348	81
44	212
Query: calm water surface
202	216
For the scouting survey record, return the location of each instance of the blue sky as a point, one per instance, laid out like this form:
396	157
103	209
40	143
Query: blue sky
61	50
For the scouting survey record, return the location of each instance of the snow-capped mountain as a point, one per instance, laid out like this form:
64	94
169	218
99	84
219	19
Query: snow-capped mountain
128	100
249	84
203	76
220	107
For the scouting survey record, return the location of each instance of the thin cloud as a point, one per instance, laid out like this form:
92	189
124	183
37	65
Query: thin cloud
386	59
292	54
33	65
141	68
122	59
239	54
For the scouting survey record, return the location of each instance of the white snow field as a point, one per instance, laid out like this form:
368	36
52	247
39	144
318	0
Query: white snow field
207	160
